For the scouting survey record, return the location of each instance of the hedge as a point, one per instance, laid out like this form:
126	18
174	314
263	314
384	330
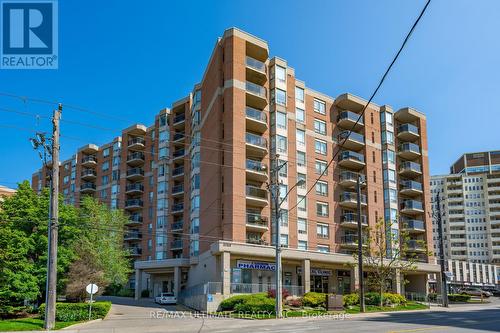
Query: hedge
373	298
459	298
230	303
351	299
314	299
78	311
256	304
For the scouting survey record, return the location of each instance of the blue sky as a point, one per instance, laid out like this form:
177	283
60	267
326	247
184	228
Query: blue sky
129	59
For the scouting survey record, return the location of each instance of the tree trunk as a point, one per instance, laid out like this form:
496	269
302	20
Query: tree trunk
381	295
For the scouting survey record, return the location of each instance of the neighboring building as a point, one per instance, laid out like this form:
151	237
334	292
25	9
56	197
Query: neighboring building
466	273
6	192
194	183
470	208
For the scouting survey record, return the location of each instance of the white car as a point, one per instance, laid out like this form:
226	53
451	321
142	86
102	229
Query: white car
166	298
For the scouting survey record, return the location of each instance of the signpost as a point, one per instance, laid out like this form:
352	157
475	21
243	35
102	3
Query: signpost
91	289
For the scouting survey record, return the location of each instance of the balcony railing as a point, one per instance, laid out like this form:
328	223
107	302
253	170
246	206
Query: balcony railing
256	140
351	155
352	239
413	224
414	244
176	244
179	153
256	114
177	225
89	172
134	187
409	147
179	136
178	207
135	218
352	136
256	89
178	171
412	204
256	166
352	196
178	189
255	64
256	192
258	241
135	171
89	158
134	202
410	166
351	176
411	185
179	118
408	128
132	235
136	140
257	219
135	156
135	251
87	186
349	115
353	218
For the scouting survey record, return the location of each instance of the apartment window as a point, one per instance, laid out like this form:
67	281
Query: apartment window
280	97
104	194
284	218
320	167
195	225
195	182
281	144
302	245
301	203
301	176
300	115
115	189
283	168
163	120
162	153
281	120
114	203
160	222
390	176
115	175
301	137
161	170
284	240
320	146
195	203
322	188
163	136
387	137
162	187
319	106
301	158
105	180
195	161
116	160
389	156
281	74
105	152
153	135
322	209
66	179
390	195
302	226
105	166
319	126
322	230
116	146
283	192
386	117
299	94
371	118
323	248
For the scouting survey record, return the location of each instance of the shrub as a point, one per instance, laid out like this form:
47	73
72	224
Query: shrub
296	303
229	303
77	311
372	298
126	293
256	304
393	299
351	299
314	300
432	297
271	293
458	298
145	293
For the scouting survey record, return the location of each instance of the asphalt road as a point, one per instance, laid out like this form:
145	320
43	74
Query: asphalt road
125	316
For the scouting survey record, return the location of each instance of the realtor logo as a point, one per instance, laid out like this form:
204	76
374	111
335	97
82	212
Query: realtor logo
29	34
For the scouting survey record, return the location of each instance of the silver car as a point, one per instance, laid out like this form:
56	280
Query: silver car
166	298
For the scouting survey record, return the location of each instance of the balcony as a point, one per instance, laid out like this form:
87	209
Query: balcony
415	245
133	204
351	240
179	137
257	222
134	219
409	151
177	208
351	160
135	251
350	179
412	207
255	70
256	145
179	153
178	189
135	174
256	196
410	188
256	241
87	188
176	245
350	200
408	132
179	171
89	174
136	143
89	161
132	236
179	120
410	169
350	220
347	119
256	95
256	170
256	120
352	141
413	226
136	188
176	226
135	158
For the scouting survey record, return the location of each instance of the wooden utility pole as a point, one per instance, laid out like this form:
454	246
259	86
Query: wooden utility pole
442	262
50	303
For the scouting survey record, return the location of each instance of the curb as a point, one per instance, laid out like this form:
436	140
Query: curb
72	327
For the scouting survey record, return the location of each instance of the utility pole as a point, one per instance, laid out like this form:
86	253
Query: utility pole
444	282
360	247
50	305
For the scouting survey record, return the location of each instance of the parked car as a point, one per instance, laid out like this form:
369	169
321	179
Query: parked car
166	298
493	291
475	292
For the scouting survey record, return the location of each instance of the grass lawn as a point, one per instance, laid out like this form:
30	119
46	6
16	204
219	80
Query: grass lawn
373	308
29	324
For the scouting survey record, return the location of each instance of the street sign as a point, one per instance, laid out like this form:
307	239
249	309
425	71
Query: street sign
449	275
92	288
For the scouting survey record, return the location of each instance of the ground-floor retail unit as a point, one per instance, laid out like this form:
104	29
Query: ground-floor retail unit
231	268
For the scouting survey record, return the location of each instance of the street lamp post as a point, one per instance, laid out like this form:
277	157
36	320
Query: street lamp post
360	247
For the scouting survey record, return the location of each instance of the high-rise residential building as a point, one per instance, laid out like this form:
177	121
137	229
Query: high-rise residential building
195	182
470	208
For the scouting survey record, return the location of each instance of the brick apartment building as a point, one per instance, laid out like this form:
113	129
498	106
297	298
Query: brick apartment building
194	182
